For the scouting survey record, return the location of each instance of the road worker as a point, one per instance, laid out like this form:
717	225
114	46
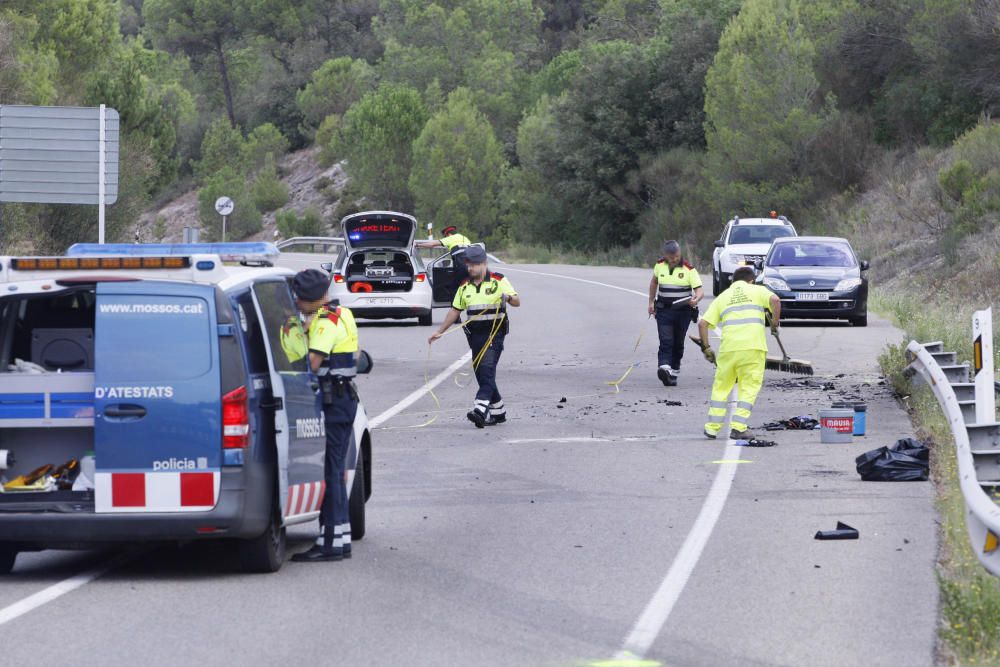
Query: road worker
333	347
740	314
674	293
484	298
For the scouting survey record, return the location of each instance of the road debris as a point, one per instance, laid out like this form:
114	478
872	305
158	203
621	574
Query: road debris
907	460
843	532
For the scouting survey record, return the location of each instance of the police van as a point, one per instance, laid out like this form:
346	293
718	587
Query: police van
150	393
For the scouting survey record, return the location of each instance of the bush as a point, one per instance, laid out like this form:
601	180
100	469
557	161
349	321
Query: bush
290	224
269	192
328	138
264	141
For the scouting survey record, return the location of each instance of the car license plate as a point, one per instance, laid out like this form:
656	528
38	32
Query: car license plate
813	296
379	301
377	272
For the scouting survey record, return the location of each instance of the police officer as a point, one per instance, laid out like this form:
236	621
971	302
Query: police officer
484	298
456	244
740	314
333	347
674	293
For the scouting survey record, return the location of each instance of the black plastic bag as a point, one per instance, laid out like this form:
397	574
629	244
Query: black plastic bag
908	460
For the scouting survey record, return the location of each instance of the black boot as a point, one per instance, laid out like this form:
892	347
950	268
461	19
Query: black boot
477	417
496	419
318	554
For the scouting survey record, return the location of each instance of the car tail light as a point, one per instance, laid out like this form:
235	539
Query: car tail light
236	419
420	277
338	278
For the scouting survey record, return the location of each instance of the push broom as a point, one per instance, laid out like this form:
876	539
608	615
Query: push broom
786	365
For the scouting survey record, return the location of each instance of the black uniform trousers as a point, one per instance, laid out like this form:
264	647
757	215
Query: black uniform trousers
339	422
672	325
486	371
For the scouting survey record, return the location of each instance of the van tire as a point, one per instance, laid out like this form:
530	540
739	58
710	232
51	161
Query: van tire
861	321
266	552
8	554
426	320
716	288
356	503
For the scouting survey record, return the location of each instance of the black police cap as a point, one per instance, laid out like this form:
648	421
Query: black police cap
311	284
475	253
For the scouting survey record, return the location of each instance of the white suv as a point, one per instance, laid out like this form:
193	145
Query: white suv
744	242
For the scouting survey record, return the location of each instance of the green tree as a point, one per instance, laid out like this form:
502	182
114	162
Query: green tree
264	142
269	192
457	168
27	72
204	30
377	141
222	146
334	87
763	109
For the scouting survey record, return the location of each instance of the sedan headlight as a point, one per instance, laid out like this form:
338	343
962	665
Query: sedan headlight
847	284
776	284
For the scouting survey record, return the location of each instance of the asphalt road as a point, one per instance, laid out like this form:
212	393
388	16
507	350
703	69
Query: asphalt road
544	540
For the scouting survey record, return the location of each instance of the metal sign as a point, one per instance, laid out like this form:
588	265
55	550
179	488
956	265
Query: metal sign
52	155
224	205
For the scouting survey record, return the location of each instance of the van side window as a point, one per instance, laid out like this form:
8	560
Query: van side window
246	318
283	327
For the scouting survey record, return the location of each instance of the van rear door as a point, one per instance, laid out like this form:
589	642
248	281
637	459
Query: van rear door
158	422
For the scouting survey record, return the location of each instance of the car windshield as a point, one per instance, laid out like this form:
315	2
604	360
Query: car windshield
742	234
811	253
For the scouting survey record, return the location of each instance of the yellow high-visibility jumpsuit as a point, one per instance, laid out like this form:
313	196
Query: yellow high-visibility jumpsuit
739	312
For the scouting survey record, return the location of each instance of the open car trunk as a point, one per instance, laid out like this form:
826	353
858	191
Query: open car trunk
379	270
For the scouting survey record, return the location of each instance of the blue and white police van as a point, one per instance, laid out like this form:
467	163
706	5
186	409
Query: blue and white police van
172	371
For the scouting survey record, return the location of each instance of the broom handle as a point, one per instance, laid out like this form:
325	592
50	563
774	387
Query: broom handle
780	344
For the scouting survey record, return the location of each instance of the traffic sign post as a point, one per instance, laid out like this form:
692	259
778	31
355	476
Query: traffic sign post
224	206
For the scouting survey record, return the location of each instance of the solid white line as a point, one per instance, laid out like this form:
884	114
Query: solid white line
415	396
654	616
46	595
580	280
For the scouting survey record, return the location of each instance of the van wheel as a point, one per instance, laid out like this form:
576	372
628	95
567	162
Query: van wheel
266	552
716	288
8	555
426	320
356	503
860	321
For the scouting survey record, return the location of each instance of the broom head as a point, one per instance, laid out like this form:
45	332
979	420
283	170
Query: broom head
786	365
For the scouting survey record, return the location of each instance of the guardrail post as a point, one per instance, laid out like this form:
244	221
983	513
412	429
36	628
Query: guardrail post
982	366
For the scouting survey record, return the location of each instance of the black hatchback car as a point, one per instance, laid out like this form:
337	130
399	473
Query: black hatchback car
817	277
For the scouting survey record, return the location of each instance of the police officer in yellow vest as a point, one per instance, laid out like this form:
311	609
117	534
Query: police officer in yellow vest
484	298
740	314
674	293
333	347
456	244
293	339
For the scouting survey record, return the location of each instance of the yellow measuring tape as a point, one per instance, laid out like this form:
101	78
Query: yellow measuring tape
498	323
617	383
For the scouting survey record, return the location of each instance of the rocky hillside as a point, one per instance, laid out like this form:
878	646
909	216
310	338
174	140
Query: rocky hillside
309	186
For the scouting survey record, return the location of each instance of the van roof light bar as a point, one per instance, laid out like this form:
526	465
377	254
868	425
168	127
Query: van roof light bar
258	253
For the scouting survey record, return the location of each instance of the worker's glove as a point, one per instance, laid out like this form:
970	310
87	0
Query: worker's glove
709	354
774	331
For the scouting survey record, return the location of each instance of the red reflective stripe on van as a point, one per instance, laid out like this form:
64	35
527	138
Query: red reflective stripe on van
128	490
197	489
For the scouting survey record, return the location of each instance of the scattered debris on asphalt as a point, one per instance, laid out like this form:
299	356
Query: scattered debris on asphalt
800	423
843	532
755	442
907	460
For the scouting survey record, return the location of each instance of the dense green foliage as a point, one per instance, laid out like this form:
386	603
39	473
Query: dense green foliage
581	124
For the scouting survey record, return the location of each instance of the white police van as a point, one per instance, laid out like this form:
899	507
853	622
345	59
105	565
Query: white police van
170	369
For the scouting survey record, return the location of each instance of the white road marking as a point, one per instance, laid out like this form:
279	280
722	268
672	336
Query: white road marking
654	616
374	422
56	591
46	595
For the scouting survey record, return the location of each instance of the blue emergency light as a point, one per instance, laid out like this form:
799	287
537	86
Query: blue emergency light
258	251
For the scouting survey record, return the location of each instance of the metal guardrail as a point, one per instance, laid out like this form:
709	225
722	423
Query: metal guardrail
969	404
